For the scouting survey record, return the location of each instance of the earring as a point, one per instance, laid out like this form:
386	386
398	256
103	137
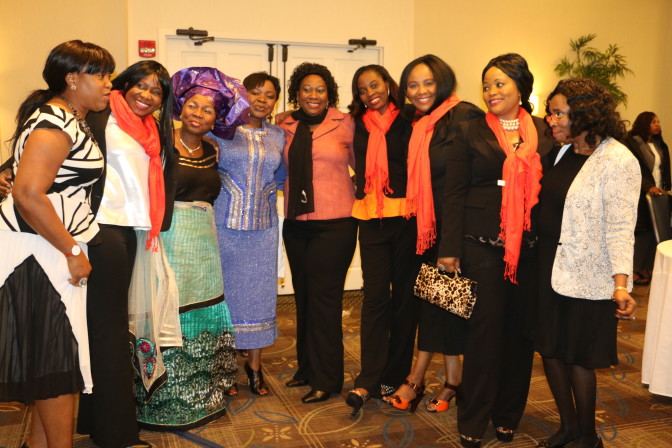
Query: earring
73	87
212	128
388	92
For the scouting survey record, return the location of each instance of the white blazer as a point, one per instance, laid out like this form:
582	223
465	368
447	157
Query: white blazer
597	237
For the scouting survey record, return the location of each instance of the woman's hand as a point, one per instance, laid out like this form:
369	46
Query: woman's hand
5	183
80	268
626	305
282	116
450	264
655	191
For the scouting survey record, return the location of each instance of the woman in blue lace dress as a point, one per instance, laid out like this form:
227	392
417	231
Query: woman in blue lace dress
252	171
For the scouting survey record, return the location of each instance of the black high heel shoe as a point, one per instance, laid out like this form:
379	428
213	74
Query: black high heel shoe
470	442
256	381
356	400
504	435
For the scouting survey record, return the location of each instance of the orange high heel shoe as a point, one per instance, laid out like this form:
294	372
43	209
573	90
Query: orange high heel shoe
443	405
403	404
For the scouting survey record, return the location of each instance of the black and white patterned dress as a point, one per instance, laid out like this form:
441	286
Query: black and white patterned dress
43	336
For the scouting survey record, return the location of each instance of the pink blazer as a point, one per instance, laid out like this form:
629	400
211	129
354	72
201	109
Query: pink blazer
334	190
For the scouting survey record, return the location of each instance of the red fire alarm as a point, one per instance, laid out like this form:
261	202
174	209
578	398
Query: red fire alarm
147	48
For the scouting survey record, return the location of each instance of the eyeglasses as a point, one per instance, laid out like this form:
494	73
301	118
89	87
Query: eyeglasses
555	118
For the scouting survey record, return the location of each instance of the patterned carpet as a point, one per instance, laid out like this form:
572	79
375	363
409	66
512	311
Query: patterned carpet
628	415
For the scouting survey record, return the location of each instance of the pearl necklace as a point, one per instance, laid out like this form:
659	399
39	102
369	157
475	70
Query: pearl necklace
80	121
191	151
510	125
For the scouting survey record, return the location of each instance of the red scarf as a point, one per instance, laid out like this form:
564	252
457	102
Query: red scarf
377	174
521	174
419	198
145	132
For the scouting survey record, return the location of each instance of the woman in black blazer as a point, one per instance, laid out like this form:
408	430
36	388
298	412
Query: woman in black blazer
493	171
645	140
429	85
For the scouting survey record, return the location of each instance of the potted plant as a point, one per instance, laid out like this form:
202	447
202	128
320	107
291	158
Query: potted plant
604	67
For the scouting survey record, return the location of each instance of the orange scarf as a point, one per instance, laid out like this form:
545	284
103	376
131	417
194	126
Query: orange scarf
377	174
145	132
419	197
521	174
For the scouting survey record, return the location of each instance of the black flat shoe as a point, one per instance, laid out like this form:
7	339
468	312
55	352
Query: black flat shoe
546	443
504	435
470	442
296	383
356	400
316	396
255	379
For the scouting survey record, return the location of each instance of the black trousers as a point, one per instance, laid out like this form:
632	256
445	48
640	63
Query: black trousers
319	254
108	414
389	320
498	350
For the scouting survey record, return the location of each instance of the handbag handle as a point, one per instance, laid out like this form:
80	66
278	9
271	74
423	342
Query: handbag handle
442	270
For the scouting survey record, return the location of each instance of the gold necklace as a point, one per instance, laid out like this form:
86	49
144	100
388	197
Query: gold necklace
191	151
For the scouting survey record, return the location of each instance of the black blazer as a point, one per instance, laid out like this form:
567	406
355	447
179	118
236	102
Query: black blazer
440	148
637	146
98	122
473	199
397	138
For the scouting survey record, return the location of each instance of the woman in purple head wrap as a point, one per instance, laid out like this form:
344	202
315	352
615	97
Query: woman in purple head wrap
201	372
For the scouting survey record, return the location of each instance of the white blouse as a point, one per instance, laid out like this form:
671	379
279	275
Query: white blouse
125	200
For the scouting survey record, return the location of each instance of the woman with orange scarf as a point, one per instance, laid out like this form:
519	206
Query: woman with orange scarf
429	84
386	238
135	193
492	186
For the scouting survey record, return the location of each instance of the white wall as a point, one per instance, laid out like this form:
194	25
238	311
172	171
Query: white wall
31	28
298	21
468	34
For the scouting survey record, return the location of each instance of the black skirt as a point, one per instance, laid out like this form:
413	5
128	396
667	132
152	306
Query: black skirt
579	331
38	351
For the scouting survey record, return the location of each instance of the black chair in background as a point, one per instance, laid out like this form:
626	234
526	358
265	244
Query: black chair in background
659	208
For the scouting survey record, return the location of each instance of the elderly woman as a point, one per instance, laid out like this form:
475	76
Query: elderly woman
252	170
319	231
136	192
429	85
201	372
645	140
588	209
46	226
492	186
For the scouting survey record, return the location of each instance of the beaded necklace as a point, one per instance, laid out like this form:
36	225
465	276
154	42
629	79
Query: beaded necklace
510	125
84	126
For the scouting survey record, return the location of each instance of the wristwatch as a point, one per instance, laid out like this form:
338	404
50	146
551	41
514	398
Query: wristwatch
76	250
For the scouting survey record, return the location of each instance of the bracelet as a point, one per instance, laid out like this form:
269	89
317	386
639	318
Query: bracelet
616	288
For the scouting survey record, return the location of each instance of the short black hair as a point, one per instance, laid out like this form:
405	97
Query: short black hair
73	56
515	67
306	69
446	82
357	106
591	108
258	79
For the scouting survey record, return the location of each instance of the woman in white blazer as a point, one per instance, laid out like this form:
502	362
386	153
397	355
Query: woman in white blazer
588	210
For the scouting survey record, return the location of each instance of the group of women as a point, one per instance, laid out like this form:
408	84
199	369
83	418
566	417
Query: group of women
107	193
437	180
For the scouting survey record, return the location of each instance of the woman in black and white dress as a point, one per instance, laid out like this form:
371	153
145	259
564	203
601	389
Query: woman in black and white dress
46	225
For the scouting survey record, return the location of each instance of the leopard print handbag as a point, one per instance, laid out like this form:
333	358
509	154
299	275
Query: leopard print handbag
453	293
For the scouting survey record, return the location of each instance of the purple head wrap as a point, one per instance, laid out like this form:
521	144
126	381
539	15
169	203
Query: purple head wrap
228	95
